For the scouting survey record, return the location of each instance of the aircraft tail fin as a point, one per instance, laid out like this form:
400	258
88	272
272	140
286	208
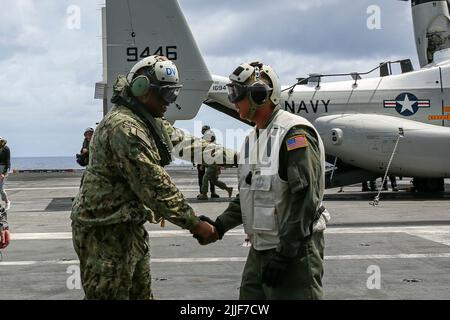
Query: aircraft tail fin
139	28
431	30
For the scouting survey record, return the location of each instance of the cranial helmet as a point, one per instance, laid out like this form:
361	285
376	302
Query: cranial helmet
247	80
155	73
205	128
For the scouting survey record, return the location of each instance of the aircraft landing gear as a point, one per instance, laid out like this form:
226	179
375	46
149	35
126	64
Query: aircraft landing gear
434	185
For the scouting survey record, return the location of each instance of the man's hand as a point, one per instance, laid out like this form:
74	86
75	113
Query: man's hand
205	233
274	269
5	238
2	176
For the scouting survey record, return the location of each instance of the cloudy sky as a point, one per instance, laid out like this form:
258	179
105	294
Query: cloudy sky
48	70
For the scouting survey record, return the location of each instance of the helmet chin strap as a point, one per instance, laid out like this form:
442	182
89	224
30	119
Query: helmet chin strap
252	110
253	106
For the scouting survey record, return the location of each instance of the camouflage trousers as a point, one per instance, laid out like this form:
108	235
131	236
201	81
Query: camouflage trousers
114	261
302	278
3	194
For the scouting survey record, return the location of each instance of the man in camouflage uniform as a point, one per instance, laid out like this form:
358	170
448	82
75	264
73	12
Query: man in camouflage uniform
125	184
201	168
212	172
281	186
4	229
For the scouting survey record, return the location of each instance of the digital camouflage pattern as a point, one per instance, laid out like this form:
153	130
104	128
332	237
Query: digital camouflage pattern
114	261
124	186
124	180
3	219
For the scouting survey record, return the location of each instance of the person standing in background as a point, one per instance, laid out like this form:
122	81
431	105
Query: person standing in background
5	165
83	156
211	172
201	168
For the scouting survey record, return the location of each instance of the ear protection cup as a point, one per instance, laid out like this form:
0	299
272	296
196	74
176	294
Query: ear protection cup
140	86
259	93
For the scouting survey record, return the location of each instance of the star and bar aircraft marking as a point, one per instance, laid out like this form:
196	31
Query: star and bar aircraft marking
407	104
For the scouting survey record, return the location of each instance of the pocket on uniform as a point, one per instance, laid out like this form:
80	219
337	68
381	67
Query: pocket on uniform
100	279
262	194
264	219
261	183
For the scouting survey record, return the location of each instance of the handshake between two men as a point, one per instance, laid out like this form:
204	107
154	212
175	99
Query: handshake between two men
207	231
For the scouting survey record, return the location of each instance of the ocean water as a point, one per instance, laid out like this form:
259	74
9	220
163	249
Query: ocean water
59	163
44	163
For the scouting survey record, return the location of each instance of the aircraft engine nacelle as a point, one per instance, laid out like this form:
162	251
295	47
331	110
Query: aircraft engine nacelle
367	141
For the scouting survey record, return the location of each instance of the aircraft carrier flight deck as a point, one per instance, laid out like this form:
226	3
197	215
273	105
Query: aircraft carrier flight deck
399	249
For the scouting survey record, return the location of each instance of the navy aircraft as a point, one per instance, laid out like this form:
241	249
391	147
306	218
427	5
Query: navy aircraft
395	122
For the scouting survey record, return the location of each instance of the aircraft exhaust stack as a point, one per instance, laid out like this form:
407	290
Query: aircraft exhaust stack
431	21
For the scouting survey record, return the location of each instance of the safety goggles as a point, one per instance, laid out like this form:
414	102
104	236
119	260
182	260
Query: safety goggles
258	92
168	93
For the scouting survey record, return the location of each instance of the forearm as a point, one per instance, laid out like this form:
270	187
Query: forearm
231	217
199	151
139	163
302	170
155	188
298	222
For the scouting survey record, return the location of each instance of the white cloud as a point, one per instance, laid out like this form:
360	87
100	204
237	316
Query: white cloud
49	71
48	78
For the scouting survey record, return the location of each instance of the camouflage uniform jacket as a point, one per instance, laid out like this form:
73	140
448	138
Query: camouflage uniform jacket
125	180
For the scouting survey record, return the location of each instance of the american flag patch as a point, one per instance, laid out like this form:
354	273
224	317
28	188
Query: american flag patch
296	142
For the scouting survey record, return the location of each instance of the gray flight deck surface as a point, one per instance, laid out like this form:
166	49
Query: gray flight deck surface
407	237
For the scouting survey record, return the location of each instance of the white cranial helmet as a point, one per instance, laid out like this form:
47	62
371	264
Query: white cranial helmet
159	74
164	70
254	70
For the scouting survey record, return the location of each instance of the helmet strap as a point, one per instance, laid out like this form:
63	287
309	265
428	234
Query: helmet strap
252	109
